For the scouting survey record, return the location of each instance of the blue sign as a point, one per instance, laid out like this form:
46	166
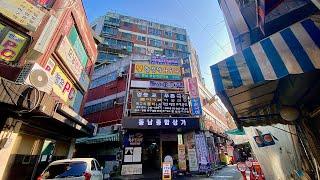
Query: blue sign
166	84
196	109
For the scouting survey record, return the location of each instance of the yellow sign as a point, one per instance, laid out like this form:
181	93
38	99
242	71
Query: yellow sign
166	171
62	86
22	12
11	46
155	71
182	157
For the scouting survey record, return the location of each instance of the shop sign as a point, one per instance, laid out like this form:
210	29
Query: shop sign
162	60
130	169
78	46
166	171
196	109
156	102
182	157
193	87
161	123
22	12
154	71
11	46
157	84
69	56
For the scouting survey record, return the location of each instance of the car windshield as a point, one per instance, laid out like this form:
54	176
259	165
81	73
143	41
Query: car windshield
65	169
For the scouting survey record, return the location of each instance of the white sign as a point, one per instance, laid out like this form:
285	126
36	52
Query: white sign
69	56
136	154
128	154
46	35
129	169
193	162
22	12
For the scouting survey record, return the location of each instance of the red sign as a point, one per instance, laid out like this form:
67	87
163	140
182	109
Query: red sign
193	88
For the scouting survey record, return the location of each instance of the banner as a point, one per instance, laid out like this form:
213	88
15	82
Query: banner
182	157
196	109
156	102
161	123
202	152
191	149
154	71
162	60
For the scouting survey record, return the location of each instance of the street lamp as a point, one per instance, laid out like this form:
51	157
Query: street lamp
289	113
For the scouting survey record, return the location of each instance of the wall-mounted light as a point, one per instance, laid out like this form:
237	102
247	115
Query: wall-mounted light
289	113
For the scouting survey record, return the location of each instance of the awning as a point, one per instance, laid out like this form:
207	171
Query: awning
99	138
247	82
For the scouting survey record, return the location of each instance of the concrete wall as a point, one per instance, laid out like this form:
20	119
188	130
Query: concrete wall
281	160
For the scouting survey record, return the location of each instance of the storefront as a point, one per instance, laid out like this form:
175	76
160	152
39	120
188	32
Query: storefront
149	141
271	89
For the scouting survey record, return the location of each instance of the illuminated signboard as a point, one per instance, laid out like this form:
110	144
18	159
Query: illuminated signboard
154	71
22	12
69	56
161	123
157	103
11	45
157	84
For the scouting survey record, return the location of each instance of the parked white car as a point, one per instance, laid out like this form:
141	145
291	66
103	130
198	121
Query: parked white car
77	169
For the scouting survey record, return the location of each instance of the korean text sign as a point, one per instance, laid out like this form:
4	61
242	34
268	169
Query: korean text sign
161	123
22	12
154	71
156	102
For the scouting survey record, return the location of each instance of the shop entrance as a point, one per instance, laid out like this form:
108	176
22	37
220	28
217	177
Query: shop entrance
151	155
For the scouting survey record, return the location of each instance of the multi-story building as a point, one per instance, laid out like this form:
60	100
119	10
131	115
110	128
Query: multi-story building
146	77
273	79
47	53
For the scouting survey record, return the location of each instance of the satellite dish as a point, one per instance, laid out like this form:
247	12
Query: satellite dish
38	78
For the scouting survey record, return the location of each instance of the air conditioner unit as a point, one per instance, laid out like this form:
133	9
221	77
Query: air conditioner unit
36	76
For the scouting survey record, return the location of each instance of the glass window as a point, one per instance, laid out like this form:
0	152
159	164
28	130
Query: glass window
66	169
127	24
168	44
142	27
93	166
155	42
141	38
153	31
126	36
110	30
98	165
181	37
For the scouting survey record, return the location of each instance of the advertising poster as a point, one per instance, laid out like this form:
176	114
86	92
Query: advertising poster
191	150
155	71
182	157
136	154
11	46
128	154
166	171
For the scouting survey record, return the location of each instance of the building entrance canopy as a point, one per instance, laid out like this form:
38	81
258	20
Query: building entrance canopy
282	69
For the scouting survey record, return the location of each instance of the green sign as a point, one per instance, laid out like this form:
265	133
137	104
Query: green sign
78	46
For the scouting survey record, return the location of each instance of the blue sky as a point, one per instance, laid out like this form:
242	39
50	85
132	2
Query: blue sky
204	23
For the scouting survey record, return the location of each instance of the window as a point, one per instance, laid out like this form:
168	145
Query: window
153	31
98	165
181	37
181	47
65	169
93	166
126	36
155	42
168	34
140	50
142	27
141	38
102	106
110	30
127	24
168	44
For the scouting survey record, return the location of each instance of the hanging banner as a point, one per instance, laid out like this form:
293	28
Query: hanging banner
193	87
191	149
196	109
182	157
22	12
156	102
162	60
154	71
202	152
11	46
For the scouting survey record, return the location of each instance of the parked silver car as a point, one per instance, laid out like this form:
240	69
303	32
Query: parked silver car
77	168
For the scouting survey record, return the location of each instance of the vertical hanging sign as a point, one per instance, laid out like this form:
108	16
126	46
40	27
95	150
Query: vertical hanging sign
196	109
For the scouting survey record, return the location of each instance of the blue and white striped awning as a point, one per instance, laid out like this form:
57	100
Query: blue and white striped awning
294	50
